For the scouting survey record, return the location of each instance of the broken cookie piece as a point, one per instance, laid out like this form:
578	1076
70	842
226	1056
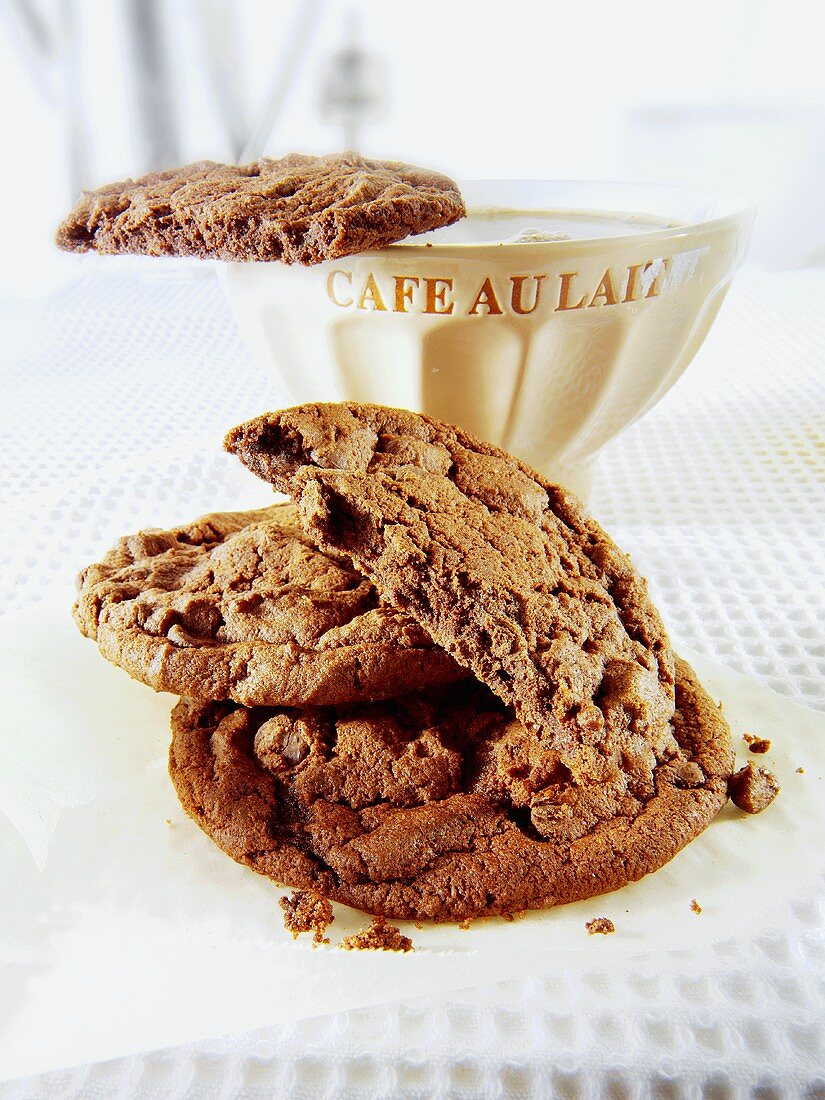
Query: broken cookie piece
380	936
305	911
753	789
506	572
600	926
759	745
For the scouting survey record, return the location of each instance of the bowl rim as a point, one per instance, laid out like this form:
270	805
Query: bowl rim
740	213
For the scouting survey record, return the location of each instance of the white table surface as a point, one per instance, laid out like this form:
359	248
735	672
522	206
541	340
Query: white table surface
117	389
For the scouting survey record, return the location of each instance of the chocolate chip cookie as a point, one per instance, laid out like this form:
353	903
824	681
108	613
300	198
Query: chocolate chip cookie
502	569
299	209
395	808
241	605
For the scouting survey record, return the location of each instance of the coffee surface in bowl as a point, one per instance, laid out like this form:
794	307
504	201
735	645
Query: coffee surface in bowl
504	225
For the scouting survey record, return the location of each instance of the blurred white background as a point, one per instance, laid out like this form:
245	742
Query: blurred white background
721	94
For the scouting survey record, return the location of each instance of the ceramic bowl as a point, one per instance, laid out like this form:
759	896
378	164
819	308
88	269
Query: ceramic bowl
547	347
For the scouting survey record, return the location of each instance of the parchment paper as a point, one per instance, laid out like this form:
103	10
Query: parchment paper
124	928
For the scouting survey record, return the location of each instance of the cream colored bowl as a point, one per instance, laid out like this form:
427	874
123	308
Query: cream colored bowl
548	347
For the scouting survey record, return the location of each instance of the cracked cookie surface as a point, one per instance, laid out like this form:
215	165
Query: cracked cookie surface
299	209
503	569
241	605
391	807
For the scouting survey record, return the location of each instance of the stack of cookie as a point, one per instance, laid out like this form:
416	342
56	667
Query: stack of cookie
430	688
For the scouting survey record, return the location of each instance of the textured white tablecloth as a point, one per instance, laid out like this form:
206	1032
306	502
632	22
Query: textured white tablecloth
116	393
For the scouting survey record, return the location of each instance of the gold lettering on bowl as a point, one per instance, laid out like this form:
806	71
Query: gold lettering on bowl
564	292
331	287
436	296
371	293
439	296
516	300
486	297
632	284
403	292
605	291
655	282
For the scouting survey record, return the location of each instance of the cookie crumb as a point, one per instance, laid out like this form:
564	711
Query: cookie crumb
464	925
307	912
600	926
753	789
800	771
757	744
695	906
380	936
168	820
